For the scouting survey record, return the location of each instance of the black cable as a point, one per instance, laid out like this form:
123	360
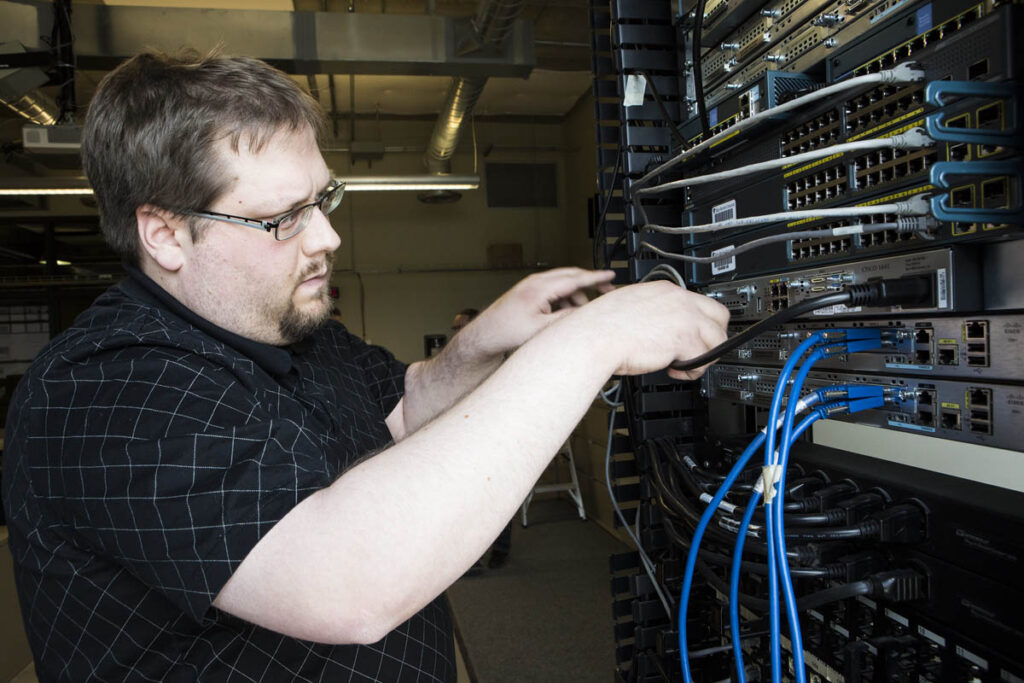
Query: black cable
698	75
599	226
672	130
914	290
783	316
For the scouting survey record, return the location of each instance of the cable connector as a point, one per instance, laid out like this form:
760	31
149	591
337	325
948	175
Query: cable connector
827	497
855	566
903	523
900	585
917	290
915	138
917	205
908	72
916	225
858	507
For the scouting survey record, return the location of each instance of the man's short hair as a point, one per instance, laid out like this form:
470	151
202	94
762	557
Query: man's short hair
152	126
469	313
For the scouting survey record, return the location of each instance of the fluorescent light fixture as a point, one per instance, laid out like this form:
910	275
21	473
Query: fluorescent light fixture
27	187
41	186
42	262
43	191
417	183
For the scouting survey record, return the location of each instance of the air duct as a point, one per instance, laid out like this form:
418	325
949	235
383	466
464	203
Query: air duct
490	27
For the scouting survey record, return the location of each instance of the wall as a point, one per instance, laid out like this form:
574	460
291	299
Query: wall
405	268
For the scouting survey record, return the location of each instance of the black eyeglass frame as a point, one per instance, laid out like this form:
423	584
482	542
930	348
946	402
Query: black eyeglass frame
272	224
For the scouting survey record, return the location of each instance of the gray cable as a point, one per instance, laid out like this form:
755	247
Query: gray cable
645	561
904	226
914	206
902	73
915	138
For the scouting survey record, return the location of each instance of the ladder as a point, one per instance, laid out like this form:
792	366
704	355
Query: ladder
571	487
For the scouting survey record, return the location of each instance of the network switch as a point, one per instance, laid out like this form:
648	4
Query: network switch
971	411
988	347
954	272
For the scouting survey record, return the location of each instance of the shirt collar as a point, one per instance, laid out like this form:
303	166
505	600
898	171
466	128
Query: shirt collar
274	359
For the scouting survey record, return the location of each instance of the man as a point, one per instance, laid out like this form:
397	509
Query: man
188	480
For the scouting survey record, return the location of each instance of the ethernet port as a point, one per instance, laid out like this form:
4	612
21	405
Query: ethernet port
948	354
994	193
962	197
925	417
926	397
990	117
980	398
923	335
923	356
976	329
981	426
958	152
977	70
950	419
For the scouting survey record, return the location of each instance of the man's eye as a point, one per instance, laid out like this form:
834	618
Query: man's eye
288	220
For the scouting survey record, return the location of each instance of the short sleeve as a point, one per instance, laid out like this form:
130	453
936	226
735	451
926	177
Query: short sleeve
384	374
168	466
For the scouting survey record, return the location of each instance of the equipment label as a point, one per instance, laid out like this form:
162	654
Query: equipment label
724	264
924	18
635	86
943	295
719	214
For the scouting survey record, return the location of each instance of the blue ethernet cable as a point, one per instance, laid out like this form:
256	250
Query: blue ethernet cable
812	341
698	534
819	413
808	401
853	340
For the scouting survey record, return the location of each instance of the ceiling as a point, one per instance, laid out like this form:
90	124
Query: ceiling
560	77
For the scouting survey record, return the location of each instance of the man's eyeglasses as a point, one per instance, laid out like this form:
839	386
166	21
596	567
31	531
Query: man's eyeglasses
289	224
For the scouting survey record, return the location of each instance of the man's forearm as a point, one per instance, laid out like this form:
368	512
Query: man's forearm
434	385
397	529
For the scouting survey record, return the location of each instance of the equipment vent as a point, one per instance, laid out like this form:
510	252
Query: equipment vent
521	185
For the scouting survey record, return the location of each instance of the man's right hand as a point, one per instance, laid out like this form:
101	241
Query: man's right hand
653	324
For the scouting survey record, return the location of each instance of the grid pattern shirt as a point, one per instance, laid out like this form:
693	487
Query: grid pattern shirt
148	451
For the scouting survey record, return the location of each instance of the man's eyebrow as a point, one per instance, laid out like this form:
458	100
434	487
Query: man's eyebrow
306	200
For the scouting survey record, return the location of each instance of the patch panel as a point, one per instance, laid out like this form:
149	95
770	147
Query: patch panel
880	106
825	184
887	166
955	272
928	406
985	348
937	34
822	130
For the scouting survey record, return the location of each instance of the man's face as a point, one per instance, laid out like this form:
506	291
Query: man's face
245	280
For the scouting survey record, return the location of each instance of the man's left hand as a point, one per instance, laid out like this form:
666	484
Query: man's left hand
533	304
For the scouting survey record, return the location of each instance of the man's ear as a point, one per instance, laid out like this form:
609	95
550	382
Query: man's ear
164	236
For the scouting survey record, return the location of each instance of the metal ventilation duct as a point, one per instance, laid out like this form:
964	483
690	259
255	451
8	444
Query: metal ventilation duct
491	25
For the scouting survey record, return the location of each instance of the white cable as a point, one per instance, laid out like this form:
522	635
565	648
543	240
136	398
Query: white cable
915	138
644	559
605	396
915	206
663	270
906	225
903	73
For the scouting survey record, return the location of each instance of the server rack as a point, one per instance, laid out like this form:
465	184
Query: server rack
778	153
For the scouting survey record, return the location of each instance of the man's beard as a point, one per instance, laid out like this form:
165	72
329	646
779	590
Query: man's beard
296	325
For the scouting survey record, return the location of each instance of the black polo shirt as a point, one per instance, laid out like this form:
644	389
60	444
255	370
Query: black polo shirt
147	452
